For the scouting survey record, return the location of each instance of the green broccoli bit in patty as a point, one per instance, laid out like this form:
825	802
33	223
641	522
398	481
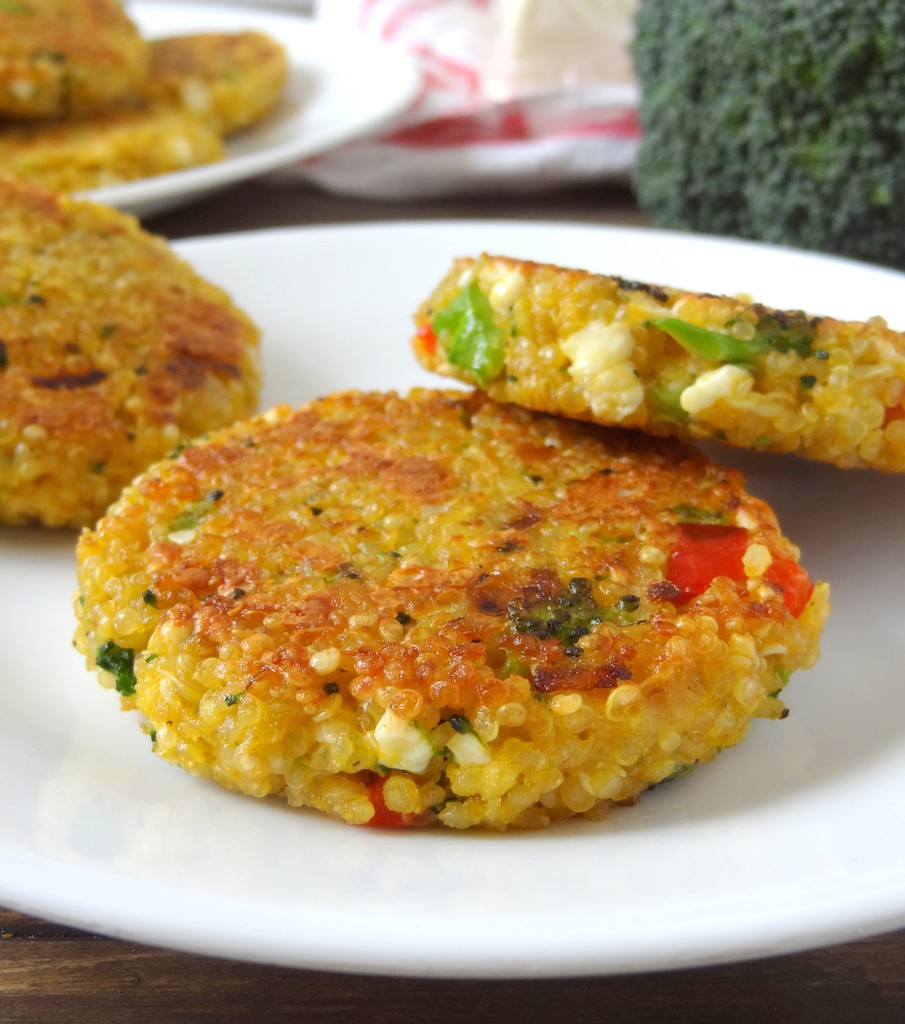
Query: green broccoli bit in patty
470	337
120	662
775	121
570	614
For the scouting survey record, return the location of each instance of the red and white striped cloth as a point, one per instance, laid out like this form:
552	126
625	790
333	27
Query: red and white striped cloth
472	128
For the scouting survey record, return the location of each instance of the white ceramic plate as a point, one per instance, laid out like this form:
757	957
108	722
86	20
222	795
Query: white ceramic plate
792	839
339	88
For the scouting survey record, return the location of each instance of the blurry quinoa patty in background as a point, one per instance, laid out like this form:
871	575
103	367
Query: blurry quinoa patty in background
108	149
670	362
198	89
400	610
112	352
230	79
60	58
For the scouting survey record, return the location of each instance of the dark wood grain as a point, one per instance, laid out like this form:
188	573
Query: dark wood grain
260	204
51	973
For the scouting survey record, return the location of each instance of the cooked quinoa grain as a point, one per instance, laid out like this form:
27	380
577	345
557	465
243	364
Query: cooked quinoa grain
670	362
112	352
62	58
436	608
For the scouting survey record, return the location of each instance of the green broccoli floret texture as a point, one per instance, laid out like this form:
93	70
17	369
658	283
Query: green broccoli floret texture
776	120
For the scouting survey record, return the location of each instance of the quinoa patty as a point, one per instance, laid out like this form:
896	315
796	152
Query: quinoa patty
60	58
402	610
134	142
112	352
670	362
230	79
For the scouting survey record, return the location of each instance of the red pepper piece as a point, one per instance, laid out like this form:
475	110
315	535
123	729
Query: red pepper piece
383	816
702	552
893	412
794	582
427	339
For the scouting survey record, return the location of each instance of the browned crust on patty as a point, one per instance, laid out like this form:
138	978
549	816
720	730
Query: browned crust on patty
114	351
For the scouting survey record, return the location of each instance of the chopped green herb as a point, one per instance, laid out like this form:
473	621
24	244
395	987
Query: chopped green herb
786	332
331	687
779	331
712	345
693	514
678	772
665	401
4	357
450	799
233	698
150	598
784	675
472	339
120	662
153	734
315	511
14	7
404	618
462	725
515	666
807	381
192	515
98	468
237	593
107	330
151	657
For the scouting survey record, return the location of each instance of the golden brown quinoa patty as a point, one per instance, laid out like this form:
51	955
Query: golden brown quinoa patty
60	58
230	79
670	362
112	352
108	149
400	610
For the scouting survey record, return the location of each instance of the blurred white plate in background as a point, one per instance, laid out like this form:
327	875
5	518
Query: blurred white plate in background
340	87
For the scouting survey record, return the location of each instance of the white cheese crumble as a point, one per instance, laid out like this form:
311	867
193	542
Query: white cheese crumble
601	365
468	749
505	291
183	536
401	744
726	381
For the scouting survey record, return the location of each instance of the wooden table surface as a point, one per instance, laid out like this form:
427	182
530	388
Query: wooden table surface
51	973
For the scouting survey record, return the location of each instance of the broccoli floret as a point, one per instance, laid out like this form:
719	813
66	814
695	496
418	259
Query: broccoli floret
780	121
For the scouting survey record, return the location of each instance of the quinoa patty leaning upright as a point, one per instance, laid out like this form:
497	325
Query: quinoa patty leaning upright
436	608
670	362
112	352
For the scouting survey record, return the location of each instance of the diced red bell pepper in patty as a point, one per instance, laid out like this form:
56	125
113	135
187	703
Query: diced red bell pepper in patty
427	339
702	552
383	816
795	583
